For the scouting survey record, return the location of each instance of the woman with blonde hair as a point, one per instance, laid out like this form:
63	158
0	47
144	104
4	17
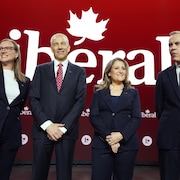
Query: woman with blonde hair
13	94
115	116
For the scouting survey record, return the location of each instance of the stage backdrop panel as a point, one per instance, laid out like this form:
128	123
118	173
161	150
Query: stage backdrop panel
98	31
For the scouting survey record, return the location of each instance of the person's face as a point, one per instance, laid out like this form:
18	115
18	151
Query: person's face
7	52
118	72
174	47
60	48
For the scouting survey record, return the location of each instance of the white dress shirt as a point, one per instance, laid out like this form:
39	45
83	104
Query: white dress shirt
178	73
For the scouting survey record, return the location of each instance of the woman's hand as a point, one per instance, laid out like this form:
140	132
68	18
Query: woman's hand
114	138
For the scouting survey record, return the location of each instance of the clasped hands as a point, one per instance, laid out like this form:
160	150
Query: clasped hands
53	131
113	140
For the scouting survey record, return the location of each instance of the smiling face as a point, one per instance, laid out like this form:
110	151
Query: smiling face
8	54
118	72
60	47
174	47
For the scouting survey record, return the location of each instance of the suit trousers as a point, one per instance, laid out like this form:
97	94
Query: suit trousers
169	163
106	164
43	151
7	157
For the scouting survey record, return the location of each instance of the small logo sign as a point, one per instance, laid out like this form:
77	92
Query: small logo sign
147	141
24	138
86	140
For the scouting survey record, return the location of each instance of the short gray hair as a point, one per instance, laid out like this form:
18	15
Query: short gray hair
59	34
174	32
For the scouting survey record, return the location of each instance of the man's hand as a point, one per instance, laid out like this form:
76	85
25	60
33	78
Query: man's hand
115	147
53	131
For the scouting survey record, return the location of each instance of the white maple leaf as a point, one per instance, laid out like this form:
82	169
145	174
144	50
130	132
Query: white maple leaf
86	26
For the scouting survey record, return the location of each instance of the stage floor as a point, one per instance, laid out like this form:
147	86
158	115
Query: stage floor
83	172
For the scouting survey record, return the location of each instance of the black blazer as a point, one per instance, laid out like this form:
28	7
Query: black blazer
63	107
124	118
10	124
167	100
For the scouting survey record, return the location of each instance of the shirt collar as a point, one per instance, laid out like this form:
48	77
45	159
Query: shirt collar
56	63
177	65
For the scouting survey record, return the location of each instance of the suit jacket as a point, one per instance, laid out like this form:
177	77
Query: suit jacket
63	107
10	124
124	118
167	100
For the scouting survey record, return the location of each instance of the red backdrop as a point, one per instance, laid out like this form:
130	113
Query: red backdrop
135	30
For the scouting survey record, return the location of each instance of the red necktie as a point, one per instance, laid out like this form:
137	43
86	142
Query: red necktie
59	77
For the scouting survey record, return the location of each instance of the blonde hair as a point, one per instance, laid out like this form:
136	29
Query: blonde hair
107	79
17	66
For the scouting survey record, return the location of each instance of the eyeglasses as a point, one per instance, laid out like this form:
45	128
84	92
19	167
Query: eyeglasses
7	48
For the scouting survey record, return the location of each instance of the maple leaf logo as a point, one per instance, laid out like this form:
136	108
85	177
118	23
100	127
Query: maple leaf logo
86	27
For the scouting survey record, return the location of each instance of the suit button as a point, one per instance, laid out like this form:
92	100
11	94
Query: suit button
8	108
113	114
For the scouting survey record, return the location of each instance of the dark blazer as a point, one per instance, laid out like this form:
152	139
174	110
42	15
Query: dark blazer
124	118
10	124
167	100
63	107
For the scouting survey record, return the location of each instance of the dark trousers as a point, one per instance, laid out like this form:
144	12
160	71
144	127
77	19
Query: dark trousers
105	165
169	164
43	150
7	157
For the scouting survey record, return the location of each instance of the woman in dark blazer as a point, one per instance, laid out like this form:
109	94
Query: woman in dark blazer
115	116
13	93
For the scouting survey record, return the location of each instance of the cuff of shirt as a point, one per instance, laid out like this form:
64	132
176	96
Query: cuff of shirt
63	129
46	124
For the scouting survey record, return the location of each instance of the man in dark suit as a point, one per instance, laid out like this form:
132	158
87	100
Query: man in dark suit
56	112
167	97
